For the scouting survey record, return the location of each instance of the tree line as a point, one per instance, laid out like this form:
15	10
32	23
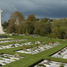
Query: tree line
56	28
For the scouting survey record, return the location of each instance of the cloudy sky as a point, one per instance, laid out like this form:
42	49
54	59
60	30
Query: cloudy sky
41	8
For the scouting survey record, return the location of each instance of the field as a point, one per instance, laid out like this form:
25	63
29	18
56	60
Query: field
30	59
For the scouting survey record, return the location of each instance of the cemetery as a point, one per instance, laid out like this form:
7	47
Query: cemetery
61	54
48	63
24	50
5	38
12	40
6	58
28	49
37	49
16	44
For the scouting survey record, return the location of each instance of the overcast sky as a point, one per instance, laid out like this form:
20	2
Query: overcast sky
41	8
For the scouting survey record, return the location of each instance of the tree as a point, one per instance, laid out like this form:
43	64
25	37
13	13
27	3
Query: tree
45	29
15	22
59	28
5	24
29	27
11	27
18	16
44	20
37	27
31	18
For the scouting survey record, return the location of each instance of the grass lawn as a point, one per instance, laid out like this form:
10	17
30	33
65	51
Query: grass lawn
31	59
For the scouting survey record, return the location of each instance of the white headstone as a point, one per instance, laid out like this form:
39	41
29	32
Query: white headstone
1	29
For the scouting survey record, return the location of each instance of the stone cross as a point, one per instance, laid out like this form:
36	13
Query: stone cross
1	29
0	16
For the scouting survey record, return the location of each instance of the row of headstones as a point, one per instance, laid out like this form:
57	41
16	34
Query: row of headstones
48	63
5	38
61	53
35	50
6	58
13	40
17	45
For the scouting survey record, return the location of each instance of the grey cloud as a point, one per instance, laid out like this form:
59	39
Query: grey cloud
41	8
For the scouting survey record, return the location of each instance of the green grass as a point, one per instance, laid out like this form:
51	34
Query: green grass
30	59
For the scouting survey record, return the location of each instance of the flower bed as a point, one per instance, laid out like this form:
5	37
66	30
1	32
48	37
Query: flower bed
37	49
